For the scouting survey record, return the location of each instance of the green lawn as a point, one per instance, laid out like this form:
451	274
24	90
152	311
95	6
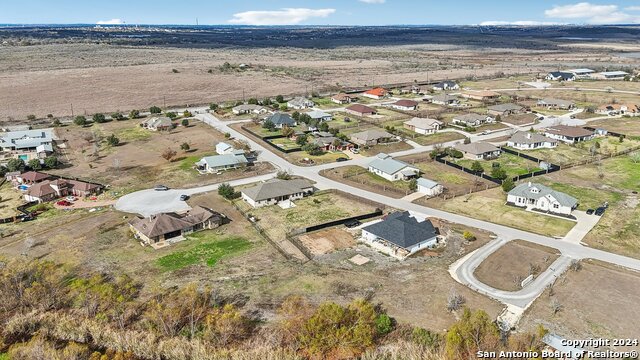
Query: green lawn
567	154
588	198
133	133
338	120
187	163
512	164
327	157
324	102
285	143
209	249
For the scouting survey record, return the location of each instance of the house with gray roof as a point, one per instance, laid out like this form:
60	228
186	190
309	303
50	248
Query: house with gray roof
551	103
471	119
300	103
526	140
391	169
319	115
217	163
505	109
249	109
281	119
479	150
560	76
159	123
401	234
424	126
371	137
429	187
446	85
26	144
533	196
569	134
445	99
274	191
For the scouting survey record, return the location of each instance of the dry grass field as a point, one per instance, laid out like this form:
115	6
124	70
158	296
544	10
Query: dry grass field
608	310
509	265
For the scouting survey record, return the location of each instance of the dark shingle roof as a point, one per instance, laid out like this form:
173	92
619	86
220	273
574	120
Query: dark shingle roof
403	229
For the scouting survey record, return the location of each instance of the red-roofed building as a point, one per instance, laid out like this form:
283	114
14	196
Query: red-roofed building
377	93
405	105
32	177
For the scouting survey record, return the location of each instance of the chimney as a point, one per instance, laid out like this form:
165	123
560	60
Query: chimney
529	183
528	135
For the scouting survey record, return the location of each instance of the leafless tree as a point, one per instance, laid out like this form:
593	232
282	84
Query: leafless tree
455	301
576	265
556	306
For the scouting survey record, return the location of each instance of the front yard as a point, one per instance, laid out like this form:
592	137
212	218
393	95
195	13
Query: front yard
512	164
489	205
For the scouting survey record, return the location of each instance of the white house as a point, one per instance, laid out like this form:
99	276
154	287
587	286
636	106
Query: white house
569	134
471	120
446	85
560	76
377	93
218	163
524	140
542	198
319	115
423	126
300	103
429	187
249	109
275	190
393	170
401	234
404	105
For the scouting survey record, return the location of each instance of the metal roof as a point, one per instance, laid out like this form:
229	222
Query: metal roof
387	164
275	188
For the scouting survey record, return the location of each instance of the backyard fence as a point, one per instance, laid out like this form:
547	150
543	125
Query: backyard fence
382	188
376	213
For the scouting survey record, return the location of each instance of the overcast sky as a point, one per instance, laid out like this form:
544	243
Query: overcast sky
319	12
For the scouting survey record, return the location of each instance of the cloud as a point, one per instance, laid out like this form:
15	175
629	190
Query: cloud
632	8
592	13
286	16
373	1
518	23
110	22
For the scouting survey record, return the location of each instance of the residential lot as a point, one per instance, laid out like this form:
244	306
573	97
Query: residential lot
490	205
509	265
513	165
606	311
625	125
362	178
137	162
619	228
326	241
10	198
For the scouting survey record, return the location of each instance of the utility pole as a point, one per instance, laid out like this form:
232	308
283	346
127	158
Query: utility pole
71	109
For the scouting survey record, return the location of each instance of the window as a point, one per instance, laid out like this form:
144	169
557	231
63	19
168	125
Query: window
555	206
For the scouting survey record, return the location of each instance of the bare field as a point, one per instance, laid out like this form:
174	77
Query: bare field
325	241
607	310
47	79
509	265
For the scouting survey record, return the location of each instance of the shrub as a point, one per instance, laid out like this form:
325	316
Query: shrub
508	185
279	99
155	110
34	164
117	116
171	115
31	117
15	165
112	140
467	235
268	124
227	191
384	324
185	122
187	113
134	114
477	167
99	118
51	162
213	106
185	146
498	173
312	149
80	120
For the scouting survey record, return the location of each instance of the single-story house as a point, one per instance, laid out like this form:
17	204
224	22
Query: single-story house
480	95
505	109
300	103
445	99
328	142
343	98
423	126
539	197
525	140
319	115
167	226
581	73
622	109
49	190
249	109
479	150
217	163
405	105
401	234
550	103
446	85
360	110
391	169
161	123
471	119
560	76
429	187
275	190
569	134
377	93
371	137
224	148
610	75
281	119
27	144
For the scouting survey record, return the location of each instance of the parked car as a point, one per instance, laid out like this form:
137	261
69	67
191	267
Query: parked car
352	223
70	198
600	211
341	159
184	197
590	211
355	151
161	188
484	132
64	203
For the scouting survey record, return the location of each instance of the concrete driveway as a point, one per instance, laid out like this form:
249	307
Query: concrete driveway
151	202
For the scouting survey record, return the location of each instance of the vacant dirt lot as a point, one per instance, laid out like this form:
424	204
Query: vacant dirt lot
609	310
326	241
508	266
628	126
